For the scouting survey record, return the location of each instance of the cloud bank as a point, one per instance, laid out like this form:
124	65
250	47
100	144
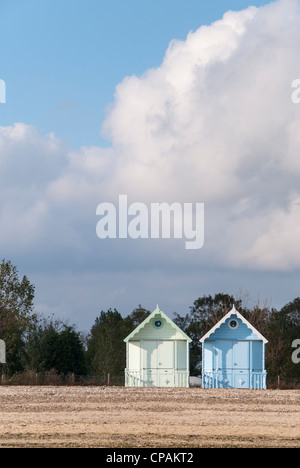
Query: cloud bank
214	123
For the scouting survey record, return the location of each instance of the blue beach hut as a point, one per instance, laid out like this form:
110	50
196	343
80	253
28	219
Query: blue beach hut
233	354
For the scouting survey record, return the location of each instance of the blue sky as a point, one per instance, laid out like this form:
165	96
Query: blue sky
62	60
170	101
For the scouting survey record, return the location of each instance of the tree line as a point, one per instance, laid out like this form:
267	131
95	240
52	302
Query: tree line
39	344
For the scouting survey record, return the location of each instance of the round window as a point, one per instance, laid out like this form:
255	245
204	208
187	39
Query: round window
158	323
233	323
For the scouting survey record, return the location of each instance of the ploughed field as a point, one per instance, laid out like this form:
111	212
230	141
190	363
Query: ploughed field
115	417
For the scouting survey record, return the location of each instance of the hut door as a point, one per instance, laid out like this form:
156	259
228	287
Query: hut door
150	354
241	355
241	364
166	363
150	360
165	355
158	362
224	355
224	362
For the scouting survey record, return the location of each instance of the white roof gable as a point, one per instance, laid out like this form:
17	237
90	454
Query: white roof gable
233	311
157	313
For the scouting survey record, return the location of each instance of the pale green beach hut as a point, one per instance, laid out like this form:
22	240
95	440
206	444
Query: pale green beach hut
157	354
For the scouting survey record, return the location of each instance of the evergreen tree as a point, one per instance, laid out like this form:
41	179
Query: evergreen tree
54	345
106	352
286	323
16	315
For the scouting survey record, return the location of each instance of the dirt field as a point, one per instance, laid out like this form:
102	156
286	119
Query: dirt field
115	417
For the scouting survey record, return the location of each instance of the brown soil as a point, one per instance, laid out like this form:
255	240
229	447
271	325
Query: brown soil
115	417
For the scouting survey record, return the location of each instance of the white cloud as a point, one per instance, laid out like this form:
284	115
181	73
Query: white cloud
274	247
214	123
28	161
